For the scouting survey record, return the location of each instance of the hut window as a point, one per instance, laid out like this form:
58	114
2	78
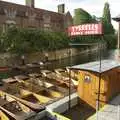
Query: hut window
87	79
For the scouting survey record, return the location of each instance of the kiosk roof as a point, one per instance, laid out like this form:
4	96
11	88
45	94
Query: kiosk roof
95	66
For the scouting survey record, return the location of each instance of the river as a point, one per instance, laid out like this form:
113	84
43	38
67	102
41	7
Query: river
82	58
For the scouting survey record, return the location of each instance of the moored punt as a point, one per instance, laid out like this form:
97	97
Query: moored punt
21	77
14	109
48	74
3	116
35	75
25	85
4	69
33	78
43	82
37	82
34	97
32	100
50	93
55	78
9	80
59	89
64	75
62	72
42	86
36	86
40	82
36	89
42	90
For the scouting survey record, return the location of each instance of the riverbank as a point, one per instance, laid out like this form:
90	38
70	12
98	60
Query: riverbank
7	59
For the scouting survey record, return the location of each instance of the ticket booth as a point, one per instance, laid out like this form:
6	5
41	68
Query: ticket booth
94	81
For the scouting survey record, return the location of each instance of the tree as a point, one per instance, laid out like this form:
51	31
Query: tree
20	41
106	20
108	30
81	17
106	13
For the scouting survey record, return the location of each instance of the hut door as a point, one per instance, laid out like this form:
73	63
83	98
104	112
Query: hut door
87	88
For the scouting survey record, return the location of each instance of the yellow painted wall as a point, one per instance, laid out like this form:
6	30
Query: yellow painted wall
3	116
88	90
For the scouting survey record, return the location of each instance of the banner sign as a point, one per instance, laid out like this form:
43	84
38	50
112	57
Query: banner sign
85	29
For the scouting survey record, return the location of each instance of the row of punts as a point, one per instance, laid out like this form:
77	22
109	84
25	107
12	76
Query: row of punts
24	96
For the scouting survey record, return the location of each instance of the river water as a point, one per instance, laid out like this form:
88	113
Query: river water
82	58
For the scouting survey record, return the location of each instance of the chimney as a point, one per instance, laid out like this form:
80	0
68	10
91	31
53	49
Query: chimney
61	8
30	3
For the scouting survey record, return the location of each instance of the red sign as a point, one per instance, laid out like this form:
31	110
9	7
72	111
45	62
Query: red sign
85	29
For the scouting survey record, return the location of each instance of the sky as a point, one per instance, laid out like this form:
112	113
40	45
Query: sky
94	7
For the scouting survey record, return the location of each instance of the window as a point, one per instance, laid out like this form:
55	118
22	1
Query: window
47	19
1	11
87	78
21	13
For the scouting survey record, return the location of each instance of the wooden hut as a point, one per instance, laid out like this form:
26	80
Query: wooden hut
94	80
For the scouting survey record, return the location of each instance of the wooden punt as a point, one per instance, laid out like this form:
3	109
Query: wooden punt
58	79
64	74
49	74
9	80
21	77
60	89
40	90
45	81
50	93
13	108
39	82
30	99
35	75
39	87
4	69
3	116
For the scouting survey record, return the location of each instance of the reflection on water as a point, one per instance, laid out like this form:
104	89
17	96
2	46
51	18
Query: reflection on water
83	58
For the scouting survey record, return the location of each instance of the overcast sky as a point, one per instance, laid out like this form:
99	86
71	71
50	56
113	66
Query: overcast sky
94	7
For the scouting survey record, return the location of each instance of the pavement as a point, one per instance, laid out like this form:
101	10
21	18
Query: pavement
110	111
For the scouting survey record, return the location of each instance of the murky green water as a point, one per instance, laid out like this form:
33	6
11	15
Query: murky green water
82	58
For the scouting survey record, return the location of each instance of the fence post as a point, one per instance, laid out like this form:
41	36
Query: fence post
97	110
118	112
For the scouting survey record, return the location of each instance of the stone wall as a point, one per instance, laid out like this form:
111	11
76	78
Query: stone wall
12	59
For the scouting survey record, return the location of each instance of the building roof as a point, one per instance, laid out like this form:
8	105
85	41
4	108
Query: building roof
95	66
117	18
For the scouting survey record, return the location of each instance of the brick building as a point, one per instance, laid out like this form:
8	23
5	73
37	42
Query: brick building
27	16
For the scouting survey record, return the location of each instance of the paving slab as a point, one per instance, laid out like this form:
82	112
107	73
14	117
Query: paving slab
110	111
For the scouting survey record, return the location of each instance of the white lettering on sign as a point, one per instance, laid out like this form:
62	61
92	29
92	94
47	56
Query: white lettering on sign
85	29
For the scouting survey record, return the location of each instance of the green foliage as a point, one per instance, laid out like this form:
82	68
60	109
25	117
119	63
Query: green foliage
22	41
111	41
81	17
86	39
4	75
106	13
109	38
109	33
106	20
